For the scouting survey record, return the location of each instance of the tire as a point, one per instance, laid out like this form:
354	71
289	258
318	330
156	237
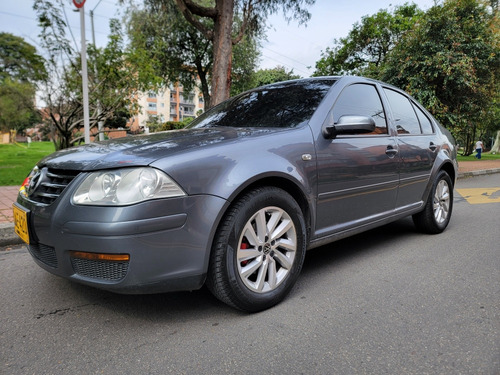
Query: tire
258	250
437	211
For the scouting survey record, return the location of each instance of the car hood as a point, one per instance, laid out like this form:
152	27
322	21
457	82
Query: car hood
144	150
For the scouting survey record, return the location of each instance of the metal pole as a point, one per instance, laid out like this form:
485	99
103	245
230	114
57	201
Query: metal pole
85	81
100	124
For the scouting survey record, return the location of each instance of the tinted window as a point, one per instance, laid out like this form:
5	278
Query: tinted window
404	115
425	123
361	100
284	105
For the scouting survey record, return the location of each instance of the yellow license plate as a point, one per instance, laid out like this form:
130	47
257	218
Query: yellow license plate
21	224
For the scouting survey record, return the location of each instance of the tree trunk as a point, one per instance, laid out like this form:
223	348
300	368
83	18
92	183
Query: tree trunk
496	146
223	47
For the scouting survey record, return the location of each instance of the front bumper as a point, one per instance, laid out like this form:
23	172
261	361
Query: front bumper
168	241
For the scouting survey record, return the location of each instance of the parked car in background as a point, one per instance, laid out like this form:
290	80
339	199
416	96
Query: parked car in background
235	200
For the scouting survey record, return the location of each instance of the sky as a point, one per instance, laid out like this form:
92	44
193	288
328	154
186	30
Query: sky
296	47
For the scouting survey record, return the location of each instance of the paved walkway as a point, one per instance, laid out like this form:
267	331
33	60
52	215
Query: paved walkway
8	196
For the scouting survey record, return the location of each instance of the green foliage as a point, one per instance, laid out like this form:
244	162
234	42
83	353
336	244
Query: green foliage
17	160
268	76
19	60
367	45
118	120
179	52
450	63
447	58
155	125
17	111
225	23
245	59
21	69
175	50
112	76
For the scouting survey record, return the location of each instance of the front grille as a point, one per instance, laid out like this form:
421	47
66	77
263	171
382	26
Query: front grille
100	269
45	254
50	183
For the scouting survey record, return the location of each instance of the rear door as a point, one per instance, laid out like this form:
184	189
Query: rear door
417	144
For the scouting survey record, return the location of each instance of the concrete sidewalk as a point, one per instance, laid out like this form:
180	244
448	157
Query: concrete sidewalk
8	196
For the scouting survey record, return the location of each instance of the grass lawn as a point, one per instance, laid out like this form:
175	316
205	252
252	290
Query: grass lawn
484	156
17	160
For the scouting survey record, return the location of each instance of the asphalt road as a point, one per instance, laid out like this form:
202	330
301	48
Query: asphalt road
390	301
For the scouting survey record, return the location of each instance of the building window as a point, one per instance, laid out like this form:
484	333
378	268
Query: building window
151	94
151	106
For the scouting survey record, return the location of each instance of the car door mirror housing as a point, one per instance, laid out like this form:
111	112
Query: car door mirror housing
349	124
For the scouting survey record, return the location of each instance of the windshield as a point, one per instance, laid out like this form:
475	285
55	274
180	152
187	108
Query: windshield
282	105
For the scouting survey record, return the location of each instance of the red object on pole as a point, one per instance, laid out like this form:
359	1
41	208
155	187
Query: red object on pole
79	3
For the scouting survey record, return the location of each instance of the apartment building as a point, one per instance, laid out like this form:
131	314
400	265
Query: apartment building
170	104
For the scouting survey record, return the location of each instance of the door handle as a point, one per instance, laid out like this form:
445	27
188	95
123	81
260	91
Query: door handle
432	147
391	151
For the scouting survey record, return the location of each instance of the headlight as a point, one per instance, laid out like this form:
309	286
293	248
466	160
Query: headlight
125	186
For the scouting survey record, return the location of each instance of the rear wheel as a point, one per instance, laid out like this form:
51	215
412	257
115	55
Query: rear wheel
437	212
258	251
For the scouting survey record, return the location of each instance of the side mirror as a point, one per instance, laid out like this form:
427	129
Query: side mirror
349	124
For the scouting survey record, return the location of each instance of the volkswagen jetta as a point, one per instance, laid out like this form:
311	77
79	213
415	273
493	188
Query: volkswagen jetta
234	200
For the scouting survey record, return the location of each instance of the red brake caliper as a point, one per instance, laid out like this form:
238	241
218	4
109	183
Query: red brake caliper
244	246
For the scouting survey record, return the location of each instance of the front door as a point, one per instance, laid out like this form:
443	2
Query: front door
357	175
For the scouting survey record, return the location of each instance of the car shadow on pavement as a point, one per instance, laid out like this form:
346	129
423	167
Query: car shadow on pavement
188	305
357	246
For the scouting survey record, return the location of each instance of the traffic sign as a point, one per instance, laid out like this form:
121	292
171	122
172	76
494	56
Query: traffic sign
78	3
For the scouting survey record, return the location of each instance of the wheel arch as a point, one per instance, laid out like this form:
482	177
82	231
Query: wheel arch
450	169
291	187
285	184
447	166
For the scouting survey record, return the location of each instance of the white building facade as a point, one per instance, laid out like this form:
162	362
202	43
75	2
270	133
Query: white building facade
170	104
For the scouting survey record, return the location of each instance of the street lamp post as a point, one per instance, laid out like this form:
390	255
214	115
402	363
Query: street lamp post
100	123
85	82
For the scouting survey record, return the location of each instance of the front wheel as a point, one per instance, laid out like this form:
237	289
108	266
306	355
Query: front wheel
258	251
437	211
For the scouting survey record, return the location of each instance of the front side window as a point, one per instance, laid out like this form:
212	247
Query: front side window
361	100
404	114
283	105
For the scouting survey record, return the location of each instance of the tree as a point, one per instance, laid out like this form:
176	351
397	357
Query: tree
21	69
17	110
268	76
19	60
367	45
220	31
245	62
450	62
112	92
178	52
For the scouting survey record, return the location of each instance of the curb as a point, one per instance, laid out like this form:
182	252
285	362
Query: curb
9	238
7	235
478	173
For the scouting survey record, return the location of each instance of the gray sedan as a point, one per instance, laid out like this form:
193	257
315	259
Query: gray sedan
235	200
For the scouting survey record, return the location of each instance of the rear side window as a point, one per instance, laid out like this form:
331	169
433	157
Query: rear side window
361	100
425	123
404	114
